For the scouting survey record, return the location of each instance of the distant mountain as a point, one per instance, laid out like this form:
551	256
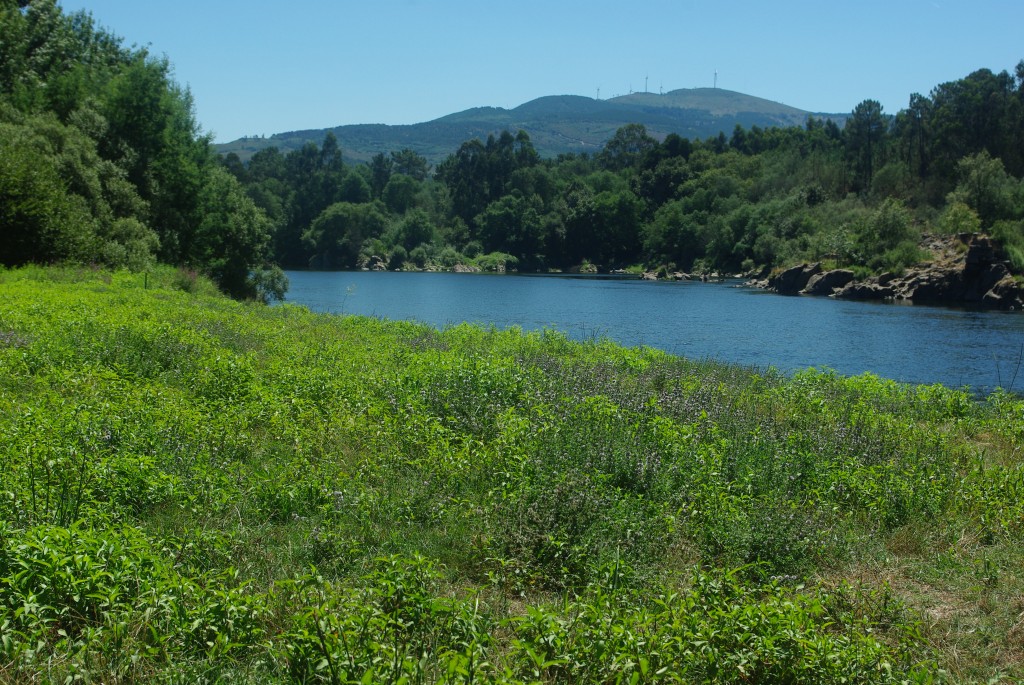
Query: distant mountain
556	124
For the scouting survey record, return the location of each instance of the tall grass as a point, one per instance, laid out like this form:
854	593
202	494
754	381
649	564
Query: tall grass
200	490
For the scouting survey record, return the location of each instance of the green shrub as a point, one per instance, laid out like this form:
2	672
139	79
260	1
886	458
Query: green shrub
496	505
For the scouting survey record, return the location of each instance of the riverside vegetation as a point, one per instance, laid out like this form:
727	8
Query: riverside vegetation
200	490
102	161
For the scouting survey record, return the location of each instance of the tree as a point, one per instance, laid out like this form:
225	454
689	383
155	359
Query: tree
233	163
911	127
41	222
400	193
738	141
410	163
627	148
674	146
266	164
232	237
314	179
381	167
100	147
105	225
959	218
464	173
888	226
512	225
659	185
602	227
978	112
414	229
986	188
330	155
354	188
153	135
479	173
336	236
865	132
673	236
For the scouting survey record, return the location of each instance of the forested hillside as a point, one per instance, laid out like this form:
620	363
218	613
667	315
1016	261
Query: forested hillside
102	160
556	124
860	196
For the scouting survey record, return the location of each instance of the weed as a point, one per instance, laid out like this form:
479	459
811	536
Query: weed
197	489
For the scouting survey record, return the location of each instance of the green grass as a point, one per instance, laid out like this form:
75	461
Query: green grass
198	490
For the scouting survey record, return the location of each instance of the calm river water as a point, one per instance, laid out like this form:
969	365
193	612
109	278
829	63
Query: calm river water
720	321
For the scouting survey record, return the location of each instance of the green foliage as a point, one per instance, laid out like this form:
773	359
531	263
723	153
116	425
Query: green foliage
102	161
414	229
859	197
410	163
889	233
337	234
400	193
511	224
232	236
959	218
865	134
495	261
499	505
41	221
627	147
1011	235
986	188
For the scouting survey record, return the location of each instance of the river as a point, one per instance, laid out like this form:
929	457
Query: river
723	321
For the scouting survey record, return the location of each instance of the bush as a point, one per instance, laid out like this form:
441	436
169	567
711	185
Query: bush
496	261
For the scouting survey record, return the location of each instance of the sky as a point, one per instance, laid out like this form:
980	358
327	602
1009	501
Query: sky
259	68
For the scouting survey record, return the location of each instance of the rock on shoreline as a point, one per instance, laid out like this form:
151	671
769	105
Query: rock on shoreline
966	270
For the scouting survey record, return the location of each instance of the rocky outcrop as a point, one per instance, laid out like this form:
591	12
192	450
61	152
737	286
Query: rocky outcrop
864	290
583	268
939	285
966	270
793	280
1006	294
827	282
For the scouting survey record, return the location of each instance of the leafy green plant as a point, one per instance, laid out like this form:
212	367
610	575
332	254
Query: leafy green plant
475	504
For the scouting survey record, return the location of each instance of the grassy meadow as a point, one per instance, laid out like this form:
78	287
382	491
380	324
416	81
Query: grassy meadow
197	490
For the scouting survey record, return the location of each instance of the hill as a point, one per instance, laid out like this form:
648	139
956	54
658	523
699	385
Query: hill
556	124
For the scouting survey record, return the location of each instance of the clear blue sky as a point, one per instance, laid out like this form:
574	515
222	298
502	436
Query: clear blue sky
258	67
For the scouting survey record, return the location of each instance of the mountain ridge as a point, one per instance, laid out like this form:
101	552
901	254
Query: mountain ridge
556	124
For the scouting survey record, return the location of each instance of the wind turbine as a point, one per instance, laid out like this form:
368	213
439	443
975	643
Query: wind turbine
716	78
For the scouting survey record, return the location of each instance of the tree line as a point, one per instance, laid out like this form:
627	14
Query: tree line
860	196
102	161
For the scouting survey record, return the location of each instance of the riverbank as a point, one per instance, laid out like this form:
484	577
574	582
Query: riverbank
197	489
965	270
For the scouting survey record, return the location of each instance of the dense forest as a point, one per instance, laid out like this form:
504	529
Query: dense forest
102	161
859	196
